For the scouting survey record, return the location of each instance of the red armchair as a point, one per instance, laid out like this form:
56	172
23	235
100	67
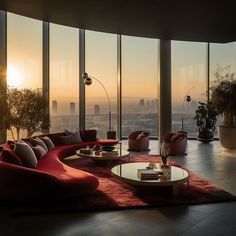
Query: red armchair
138	141
177	143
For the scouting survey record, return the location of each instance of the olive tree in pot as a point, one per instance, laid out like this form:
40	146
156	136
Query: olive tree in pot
23	109
224	99
206	117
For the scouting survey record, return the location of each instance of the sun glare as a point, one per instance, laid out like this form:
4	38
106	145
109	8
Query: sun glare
14	76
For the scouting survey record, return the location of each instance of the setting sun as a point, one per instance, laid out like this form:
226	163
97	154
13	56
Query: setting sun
14	76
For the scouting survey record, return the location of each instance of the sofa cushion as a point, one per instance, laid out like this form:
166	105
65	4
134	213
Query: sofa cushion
75	134
48	142
89	135
67	139
9	156
38	141
39	151
26	154
55	137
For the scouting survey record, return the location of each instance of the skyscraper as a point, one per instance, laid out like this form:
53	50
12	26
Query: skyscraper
54	106
142	105
72	108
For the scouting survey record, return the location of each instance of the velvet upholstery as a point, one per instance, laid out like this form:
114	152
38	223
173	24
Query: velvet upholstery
51	180
176	142
138	141
9	156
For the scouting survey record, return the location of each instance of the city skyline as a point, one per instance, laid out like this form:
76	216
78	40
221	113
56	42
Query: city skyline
139	61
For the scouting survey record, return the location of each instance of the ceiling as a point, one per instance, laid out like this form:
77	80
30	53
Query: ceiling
188	20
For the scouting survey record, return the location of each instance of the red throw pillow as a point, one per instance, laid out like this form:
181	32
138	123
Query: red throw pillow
55	137
9	156
141	135
175	137
180	138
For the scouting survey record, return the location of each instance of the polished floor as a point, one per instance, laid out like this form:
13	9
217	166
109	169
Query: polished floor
209	161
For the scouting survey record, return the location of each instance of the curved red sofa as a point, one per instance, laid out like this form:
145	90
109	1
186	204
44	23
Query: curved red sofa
51	180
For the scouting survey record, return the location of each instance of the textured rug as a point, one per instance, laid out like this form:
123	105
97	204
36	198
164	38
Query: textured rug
113	194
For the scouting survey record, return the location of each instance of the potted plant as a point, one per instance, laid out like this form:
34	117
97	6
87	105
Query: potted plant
23	109
206	117
224	99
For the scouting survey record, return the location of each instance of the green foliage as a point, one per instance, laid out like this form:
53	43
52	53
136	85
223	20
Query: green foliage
206	116
25	109
223	94
34	109
224	99
4	109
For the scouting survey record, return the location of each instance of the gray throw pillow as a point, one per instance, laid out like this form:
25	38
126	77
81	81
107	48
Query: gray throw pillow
39	151
26	154
38	141
75	134
48	142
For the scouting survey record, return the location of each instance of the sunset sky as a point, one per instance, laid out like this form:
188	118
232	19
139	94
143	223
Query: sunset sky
139	62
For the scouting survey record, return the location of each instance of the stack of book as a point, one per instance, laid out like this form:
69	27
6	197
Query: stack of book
109	154
149	174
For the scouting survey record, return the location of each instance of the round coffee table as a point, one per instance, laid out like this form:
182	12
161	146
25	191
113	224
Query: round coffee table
108	159
128	173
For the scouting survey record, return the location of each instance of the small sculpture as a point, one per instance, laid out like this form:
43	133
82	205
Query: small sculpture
164	152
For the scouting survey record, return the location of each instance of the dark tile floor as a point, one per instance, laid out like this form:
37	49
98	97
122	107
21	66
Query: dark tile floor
209	161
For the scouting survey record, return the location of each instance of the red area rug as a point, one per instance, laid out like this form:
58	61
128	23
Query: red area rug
113	194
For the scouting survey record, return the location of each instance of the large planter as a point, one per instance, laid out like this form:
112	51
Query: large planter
227	136
205	135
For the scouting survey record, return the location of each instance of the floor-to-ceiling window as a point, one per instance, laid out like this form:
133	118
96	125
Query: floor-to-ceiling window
139	63
189	77
139	85
24	54
64	77
101	63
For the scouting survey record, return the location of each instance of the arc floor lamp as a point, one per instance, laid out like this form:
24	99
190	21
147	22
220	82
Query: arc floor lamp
88	79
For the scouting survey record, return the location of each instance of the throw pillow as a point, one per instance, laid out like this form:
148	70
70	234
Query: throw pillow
26	154
141	135
9	156
175	137
48	142
75	134
38	141
67	139
39	151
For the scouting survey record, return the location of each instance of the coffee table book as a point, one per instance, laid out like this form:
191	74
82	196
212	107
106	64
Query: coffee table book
145	174
109	153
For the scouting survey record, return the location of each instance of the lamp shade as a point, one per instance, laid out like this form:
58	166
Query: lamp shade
88	81
188	98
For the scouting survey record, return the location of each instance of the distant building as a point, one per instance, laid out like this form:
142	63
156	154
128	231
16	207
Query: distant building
96	109
72	108
148	106
54	106
142	105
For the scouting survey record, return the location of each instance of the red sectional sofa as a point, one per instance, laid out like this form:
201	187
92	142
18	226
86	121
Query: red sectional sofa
51	180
